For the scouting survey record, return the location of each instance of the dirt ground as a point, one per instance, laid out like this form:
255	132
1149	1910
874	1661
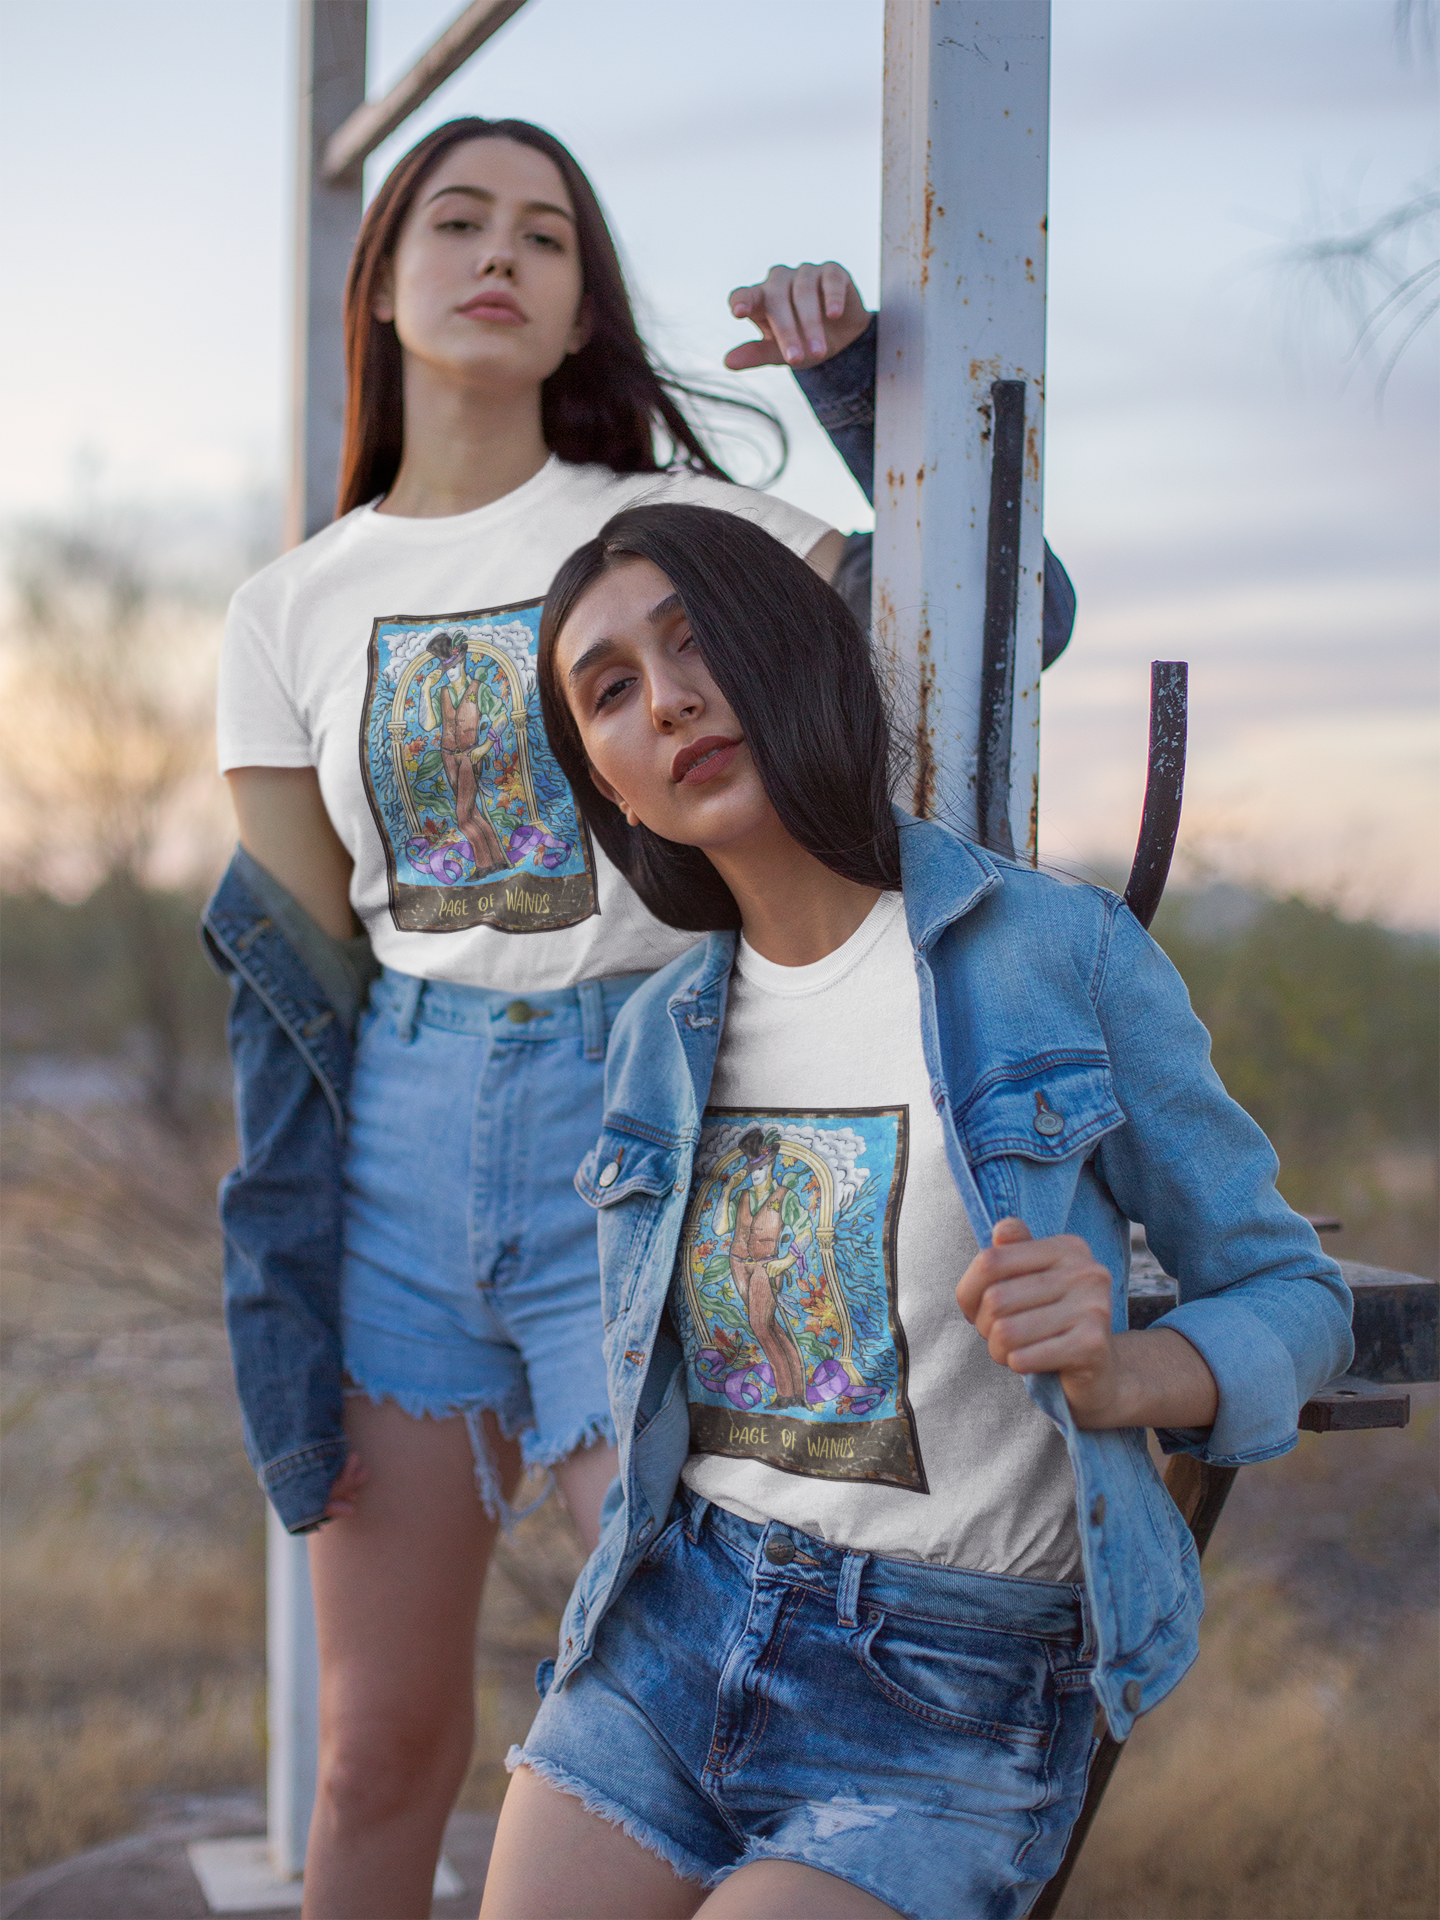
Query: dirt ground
1293	1774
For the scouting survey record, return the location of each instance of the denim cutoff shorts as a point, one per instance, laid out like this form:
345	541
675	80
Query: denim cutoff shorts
755	1694
469	1282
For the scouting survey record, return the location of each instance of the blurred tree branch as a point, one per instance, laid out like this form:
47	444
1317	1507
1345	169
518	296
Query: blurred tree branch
1368	265
106	745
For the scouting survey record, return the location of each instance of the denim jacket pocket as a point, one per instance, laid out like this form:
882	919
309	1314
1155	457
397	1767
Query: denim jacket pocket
625	1176
1048	1113
1043	1109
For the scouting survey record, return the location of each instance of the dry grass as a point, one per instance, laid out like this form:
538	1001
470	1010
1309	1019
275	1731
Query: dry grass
1276	1784
130	1669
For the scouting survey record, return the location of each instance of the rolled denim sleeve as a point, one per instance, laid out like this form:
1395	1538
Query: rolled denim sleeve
841	392
1265	1308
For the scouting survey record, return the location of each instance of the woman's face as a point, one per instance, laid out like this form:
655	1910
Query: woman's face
662	741
486	279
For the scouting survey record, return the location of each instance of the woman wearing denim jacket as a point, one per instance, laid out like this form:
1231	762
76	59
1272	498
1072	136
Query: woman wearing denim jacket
840	1648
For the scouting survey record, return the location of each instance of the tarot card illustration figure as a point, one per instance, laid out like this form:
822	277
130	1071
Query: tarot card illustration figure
758	1209
793	1342
478	823
471	721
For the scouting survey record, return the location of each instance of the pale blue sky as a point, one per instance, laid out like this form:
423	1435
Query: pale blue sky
1217	488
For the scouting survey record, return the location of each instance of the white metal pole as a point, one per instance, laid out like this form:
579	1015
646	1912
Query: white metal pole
293	1716
959	568
330	85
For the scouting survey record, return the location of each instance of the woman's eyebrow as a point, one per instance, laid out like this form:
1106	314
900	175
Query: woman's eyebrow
484	193
591	657
662	611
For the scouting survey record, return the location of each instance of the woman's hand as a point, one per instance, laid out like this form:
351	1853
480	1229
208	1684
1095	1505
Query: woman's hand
805	315
1043	1306
343	1493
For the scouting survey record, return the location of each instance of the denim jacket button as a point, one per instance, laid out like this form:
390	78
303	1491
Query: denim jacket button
609	1175
1130	1695
645	1529
1097	1510
1049	1123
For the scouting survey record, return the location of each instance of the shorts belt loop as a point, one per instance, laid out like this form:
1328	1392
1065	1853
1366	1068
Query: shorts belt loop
698	1506
592	1018
408	1008
847	1595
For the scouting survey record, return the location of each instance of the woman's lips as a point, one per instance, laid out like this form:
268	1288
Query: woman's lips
503	307
703	759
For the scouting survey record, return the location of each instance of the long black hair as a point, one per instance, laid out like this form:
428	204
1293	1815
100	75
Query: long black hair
787	654
604	403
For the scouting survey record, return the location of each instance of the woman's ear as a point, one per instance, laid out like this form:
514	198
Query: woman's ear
603	786
382	300
579	335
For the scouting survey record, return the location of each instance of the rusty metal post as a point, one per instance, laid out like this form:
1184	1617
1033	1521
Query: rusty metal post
330	86
959	567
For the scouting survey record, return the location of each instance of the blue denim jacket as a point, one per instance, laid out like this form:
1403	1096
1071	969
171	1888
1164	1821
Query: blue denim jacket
1026	985
295	995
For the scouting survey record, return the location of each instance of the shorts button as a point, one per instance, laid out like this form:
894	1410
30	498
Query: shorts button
1130	1694
1097	1510
609	1175
779	1551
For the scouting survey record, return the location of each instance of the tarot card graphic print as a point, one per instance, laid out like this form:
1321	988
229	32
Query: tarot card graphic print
785	1294
479	825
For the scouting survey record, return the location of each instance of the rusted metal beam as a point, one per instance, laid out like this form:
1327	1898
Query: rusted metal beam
375	120
1164	788
1352	1405
331	80
958	600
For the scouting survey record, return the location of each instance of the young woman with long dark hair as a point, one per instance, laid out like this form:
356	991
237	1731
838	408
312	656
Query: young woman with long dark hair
411	1285
886	1530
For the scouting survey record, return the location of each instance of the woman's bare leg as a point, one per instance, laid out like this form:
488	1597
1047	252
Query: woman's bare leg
789	1890
583	1480
553	1861
397	1590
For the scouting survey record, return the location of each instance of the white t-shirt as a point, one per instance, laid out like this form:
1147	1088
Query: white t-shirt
834	1383
397	657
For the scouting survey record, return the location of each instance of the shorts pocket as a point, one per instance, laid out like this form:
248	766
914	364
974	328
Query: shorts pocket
996	1685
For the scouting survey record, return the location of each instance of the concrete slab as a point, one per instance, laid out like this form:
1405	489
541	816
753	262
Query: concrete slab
150	1876
236	1876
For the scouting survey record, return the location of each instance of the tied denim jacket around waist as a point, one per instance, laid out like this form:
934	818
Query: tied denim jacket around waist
1027	985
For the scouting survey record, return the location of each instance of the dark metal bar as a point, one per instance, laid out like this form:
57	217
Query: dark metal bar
375	120
1164	788
1002	591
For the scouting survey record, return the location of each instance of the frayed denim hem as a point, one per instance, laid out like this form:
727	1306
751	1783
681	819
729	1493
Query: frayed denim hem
593	1801
598	1431
472	1412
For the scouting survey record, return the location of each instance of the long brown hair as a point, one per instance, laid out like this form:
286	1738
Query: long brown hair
789	656
603	403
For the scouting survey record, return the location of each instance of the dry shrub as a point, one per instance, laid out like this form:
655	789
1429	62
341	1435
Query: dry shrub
1277	1783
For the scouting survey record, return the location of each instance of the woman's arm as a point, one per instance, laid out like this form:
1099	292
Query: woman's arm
1043	1306
284	825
